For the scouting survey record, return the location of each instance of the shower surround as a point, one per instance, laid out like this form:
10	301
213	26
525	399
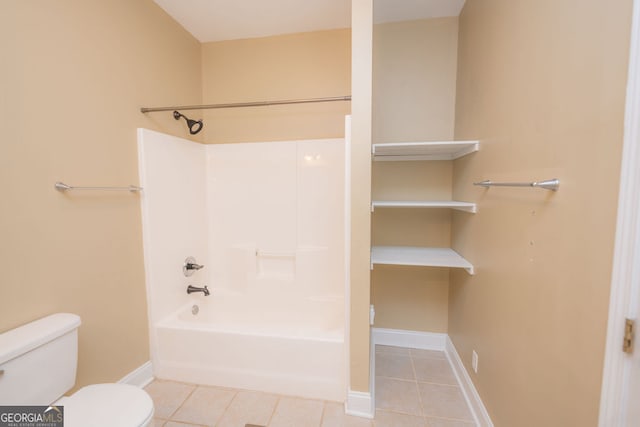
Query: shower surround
267	220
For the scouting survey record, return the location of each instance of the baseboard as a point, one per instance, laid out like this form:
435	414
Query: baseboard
359	404
139	377
411	339
468	389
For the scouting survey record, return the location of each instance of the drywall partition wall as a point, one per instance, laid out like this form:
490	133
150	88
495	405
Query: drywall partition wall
414	90
294	66
74	76
544	93
359	346
174	213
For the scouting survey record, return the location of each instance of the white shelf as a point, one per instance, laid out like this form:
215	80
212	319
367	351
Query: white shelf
435	150
426	257
461	206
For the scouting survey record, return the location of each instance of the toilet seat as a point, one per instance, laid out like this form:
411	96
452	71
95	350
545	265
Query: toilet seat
108	405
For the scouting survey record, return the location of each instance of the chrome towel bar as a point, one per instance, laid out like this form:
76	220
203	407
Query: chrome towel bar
549	184
61	186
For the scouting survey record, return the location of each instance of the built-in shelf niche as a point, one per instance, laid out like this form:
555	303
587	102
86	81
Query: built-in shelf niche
421	256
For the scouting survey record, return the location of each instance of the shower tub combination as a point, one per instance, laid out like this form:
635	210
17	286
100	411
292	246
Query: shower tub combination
273	252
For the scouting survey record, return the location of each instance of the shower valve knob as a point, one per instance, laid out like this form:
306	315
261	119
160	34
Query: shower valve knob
190	265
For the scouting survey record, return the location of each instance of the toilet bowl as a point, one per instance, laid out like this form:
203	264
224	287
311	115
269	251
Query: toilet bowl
107	405
38	364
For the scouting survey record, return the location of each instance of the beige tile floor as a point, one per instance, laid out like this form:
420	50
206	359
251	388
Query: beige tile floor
418	388
413	388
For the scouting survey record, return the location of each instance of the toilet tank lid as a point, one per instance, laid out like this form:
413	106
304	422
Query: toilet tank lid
22	339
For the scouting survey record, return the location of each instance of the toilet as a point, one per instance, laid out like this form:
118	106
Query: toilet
38	365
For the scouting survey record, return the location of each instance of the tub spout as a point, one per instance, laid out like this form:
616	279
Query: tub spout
191	289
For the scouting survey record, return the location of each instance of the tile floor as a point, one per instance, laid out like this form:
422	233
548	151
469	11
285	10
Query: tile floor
418	388
413	388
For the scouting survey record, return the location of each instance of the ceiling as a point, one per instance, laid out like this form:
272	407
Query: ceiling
215	20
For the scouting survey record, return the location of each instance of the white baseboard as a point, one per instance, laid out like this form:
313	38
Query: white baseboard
359	404
139	377
468	389
411	339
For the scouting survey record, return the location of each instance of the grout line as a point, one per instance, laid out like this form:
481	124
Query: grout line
183	402
415	378
395	378
324	408
456	385
470	422
436	383
275	407
395	411
235	394
230	403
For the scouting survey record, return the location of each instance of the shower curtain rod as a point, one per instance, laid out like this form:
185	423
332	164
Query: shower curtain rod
247	104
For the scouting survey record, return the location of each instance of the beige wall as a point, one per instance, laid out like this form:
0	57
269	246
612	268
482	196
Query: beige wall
294	66
74	75
542	85
414	91
414	80
359	343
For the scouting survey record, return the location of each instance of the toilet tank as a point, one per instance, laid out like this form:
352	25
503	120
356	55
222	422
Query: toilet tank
38	360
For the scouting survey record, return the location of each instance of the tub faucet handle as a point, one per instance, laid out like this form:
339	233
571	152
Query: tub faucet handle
194	266
190	265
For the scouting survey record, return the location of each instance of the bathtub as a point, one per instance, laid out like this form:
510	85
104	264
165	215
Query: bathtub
292	347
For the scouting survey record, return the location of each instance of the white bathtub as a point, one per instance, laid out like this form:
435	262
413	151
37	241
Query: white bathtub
292	347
